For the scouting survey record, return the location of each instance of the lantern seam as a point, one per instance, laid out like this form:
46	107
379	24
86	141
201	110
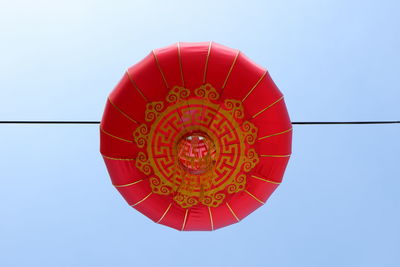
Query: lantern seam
206	65
258	113
159	68
184	220
123	113
253	196
180	63
165	212
125	185
267	136
135	85
126	159
143	199
114	136
265	180
231	68
231	210
254	87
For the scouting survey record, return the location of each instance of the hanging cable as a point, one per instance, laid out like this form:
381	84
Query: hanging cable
293	122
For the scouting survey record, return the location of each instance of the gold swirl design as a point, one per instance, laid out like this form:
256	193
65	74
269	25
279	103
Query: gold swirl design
158	187
250	132
235	108
153	110
142	163
207	91
177	93
140	135
225	172
251	160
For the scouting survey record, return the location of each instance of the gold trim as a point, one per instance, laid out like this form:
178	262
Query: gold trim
267	136
250	194
180	63
159	68
230	70
233	213
206	66
275	156
184	220
125	185
107	157
254	87
267	107
116	137
265	180
136	87
123	113
211	219
143	199
166	211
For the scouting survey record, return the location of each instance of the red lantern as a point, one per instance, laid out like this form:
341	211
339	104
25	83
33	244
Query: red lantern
196	136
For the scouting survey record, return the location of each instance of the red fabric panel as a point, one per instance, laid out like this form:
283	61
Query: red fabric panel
148	78
219	64
193	56
197	219
271	168
123	95
123	172
169	63
115	148
154	206
174	217
135	193
222	216
245	74
243	204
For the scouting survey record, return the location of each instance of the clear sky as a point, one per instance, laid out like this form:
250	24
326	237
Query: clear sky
334	61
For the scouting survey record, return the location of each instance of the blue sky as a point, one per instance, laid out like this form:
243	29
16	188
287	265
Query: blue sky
334	61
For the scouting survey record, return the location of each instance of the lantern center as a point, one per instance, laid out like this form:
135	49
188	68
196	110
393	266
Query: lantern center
196	153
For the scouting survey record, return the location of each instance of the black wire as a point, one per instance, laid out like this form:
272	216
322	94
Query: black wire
293	122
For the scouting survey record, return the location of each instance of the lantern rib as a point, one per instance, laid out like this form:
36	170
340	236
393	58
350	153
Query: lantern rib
265	180
253	196
123	159
211	219
231	210
160	69
264	109
135	85
275	156
206	65
123	113
230	70
143	199
125	185
165	213
114	136
255	86
275	134
180	63
184	220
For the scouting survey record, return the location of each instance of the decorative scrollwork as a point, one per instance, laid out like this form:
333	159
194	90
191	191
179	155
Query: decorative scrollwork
142	163
207	91
251	160
159	187
235	108
221	142
153	110
177	94
250	132
140	135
